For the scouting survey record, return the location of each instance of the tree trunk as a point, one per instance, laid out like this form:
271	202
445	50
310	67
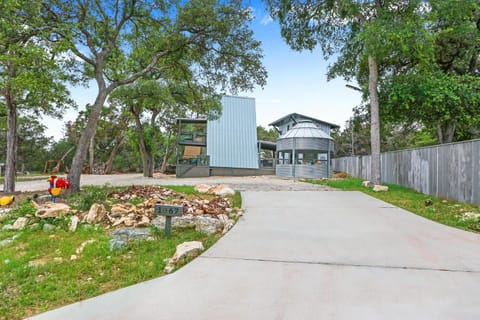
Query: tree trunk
445	132
168	152
10	164
109	163
374	120
141	144
91	148
81	152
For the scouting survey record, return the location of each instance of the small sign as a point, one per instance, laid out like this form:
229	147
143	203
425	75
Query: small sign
168	210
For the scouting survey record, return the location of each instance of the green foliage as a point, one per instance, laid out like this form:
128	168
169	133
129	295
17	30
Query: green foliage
267	134
90	195
444	211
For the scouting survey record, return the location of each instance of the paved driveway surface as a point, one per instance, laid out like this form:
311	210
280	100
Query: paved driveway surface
312	255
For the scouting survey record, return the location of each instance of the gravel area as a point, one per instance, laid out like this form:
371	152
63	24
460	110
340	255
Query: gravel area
250	183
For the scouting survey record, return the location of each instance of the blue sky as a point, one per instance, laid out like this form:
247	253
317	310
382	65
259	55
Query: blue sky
296	82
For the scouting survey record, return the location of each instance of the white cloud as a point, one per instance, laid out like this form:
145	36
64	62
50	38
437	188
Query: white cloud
267	19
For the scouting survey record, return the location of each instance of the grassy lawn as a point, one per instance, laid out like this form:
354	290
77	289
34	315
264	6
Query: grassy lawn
37	273
444	211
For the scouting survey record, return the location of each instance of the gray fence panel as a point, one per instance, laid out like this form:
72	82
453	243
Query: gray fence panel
450	171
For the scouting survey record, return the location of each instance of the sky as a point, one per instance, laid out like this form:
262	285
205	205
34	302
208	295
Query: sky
296	82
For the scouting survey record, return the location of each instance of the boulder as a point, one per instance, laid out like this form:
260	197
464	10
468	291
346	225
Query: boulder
52	210
96	213
185	251
378	188
202	188
470	216
367	183
221	190
227	223
208	225
20	223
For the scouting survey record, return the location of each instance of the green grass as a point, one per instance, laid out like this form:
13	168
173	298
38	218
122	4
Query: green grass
443	211
26	290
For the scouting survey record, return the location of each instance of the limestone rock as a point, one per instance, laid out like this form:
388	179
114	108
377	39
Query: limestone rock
208	225
20	223
367	183
202	188
122	209
80	249
221	190
184	252
227	223
72	226
144	222
49	210
378	188
96	213
470	216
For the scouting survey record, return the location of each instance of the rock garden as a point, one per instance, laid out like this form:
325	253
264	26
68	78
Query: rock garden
105	238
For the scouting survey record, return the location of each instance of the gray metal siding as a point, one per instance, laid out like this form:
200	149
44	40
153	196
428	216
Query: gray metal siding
232	139
449	171
302	171
304	144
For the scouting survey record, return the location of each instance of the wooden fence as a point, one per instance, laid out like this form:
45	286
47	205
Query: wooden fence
450	171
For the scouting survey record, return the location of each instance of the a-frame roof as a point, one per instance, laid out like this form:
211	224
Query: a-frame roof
298	117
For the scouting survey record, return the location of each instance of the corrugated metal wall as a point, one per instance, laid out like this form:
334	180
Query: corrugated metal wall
302	171
449	171
232	139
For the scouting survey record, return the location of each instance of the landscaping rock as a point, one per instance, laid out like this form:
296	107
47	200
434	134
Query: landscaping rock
122	209
470	216
52	210
96	213
208	225
202	188
378	188
48	227
80	249
73	223
186	250
7	227
367	184
227	223
4	242
221	190
20	223
117	244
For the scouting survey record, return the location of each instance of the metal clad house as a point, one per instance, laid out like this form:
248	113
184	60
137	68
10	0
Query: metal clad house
232	139
225	146
304	148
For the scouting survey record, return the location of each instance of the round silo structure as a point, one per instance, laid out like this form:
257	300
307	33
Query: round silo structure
304	152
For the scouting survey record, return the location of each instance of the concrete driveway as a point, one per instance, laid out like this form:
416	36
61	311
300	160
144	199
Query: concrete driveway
312	255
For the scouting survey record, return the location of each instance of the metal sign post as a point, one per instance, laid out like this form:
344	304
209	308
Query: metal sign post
168	211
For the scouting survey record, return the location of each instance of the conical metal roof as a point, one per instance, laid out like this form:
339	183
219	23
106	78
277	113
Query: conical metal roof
305	129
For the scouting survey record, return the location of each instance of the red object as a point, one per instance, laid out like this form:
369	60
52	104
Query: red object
62	183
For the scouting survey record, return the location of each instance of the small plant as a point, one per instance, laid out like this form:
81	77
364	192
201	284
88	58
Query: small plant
85	199
25	208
